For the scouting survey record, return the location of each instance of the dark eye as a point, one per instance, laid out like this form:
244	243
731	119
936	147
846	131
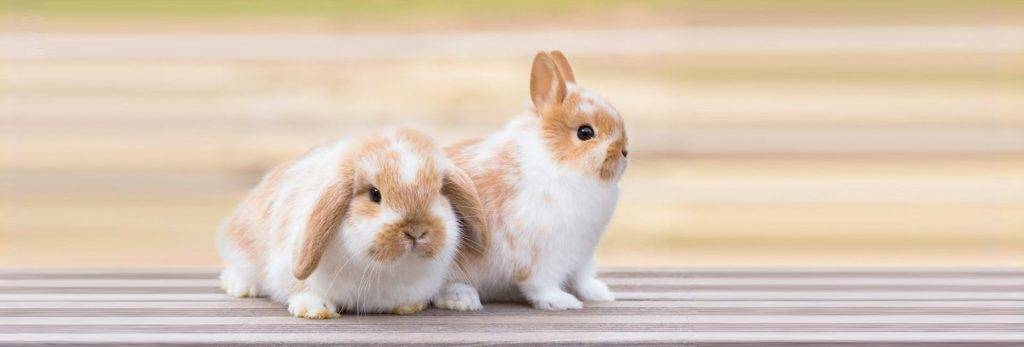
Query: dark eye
374	195
585	132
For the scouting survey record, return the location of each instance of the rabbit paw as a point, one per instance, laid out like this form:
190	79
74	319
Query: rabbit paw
312	306
458	297
592	289
409	309
556	300
237	285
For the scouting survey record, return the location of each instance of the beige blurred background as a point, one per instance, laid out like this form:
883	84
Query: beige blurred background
765	133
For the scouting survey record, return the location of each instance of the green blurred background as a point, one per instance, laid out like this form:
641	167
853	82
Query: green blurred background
765	133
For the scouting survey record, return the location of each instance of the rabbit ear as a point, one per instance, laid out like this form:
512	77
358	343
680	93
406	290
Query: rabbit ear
563	66
323	222
547	86
462	194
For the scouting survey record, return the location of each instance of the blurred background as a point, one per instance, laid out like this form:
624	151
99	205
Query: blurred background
765	133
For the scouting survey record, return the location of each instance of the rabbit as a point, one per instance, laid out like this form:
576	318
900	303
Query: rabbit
549	185
366	224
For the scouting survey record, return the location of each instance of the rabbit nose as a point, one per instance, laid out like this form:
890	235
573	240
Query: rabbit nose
625	153
415	234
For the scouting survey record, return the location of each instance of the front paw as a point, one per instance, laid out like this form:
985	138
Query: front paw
556	300
312	306
458	297
593	289
409	309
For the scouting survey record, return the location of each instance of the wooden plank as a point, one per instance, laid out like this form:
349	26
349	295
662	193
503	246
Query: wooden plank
257	303
637	290
246	308
522	311
811	273
484	326
388	319
725	282
728	307
116	297
651	295
815	295
702	338
626	272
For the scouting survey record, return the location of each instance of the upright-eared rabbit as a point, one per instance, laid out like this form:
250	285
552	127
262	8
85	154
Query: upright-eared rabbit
549	184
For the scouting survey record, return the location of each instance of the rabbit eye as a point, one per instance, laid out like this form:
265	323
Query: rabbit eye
374	195
585	132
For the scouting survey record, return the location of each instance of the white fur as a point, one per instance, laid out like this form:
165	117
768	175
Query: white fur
557	212
410	164
347	278
408	160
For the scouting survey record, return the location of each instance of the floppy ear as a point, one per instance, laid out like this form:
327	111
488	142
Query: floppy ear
547	86
563	66
323	222
461	192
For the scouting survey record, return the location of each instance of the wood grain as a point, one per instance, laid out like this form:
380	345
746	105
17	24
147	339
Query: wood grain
727	307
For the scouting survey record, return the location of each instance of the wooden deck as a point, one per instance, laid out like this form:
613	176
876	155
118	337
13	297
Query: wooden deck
656	306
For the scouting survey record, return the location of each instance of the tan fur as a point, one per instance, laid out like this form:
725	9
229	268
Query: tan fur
560	120
270	184
433	240
373	144
403	197
418	142
461	191
245	225
364	207
241	233
547	87
611	162
392	242
414	199
522	274
494	183
563	66
409	309
325	218
524	271
559	125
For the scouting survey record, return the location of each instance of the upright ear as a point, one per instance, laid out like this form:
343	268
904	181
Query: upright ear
547	86
563	66
324	220
461	192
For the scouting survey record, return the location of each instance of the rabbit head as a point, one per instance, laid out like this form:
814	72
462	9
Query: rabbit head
580	129
396	198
